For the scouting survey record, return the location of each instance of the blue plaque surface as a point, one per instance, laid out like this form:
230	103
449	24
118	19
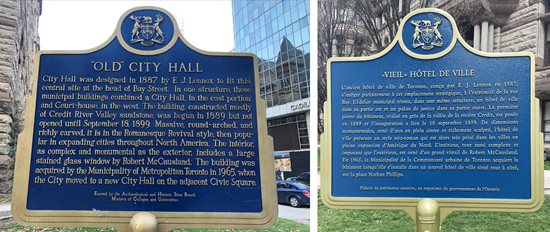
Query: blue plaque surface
431	117
146	123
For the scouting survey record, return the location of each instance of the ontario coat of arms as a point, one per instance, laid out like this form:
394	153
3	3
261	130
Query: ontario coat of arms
426	34
145	31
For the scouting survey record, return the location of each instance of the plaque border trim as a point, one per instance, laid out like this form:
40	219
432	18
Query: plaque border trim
121	219
447	204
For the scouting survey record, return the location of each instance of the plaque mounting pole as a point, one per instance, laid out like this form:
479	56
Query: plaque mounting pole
144	222
428	216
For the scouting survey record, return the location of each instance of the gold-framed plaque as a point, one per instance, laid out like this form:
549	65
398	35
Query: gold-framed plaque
145	122
431	122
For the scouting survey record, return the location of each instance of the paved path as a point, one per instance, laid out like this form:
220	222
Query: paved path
318	180
5	210
546	182
300	215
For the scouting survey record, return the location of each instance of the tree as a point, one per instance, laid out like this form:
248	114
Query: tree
356	28
331	13
338	36
465	14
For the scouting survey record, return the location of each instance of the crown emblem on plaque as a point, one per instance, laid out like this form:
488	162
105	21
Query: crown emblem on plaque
145	31
426	34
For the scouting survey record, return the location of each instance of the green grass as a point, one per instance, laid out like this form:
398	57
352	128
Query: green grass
388	220
13	227
363	220
546	165
282	225
5	198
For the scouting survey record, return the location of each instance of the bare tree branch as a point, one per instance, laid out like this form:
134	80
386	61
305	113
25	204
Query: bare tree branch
356	28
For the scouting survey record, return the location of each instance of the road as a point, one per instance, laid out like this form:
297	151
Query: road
300	215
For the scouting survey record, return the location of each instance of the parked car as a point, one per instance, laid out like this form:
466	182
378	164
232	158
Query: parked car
302	178
291	192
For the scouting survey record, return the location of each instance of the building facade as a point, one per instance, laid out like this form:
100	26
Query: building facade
511	26
277	31
18	44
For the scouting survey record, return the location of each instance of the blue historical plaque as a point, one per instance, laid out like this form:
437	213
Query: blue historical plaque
432	118
147	123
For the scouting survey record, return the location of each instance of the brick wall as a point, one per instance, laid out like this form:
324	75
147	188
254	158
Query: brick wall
520	32
18	43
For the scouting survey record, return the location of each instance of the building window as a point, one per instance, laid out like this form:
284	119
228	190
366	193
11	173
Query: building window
547	44
546	121
278	32
340	45
289	133
469	35
342	16
386	40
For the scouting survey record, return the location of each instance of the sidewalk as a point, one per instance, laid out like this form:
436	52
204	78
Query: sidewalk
5	210
300	215
546	182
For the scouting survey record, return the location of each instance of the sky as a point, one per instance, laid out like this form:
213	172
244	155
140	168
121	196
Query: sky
79	25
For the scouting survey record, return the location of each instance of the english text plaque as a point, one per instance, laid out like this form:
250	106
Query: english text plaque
145	123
